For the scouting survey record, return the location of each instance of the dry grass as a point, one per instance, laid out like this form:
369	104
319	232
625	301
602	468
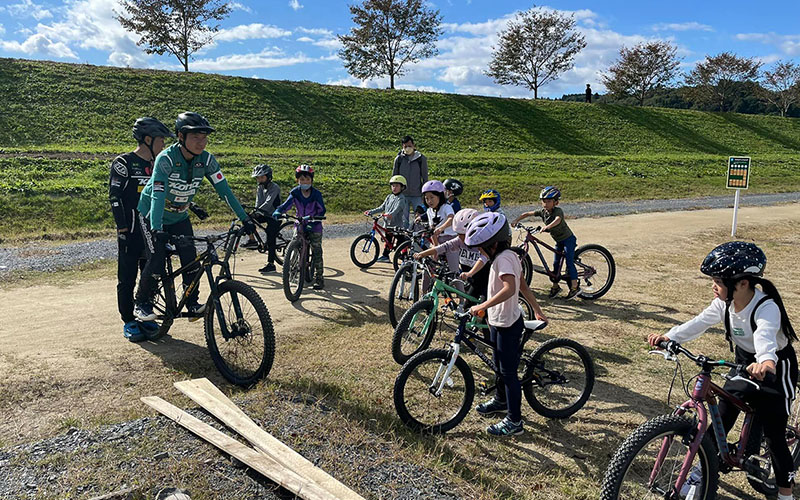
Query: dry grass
344	364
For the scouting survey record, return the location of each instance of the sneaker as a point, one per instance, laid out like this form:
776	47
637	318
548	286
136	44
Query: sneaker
554	291
319	284
131	332
505	427
196	309
249	244
573	292
144	312
692	483
383	258
269	268
491	407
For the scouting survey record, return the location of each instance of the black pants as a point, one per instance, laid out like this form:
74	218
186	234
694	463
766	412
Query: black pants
506	358
396	240
273	226
130	260
771	411
156	259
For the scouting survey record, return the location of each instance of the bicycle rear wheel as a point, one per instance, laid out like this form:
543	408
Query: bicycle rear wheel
282	240
404	291
596	271
759	446
416	397
364	251
561	375
246	355
411	335
293	270
647	463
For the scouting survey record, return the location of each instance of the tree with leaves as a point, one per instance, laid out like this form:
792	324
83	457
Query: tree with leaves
179	27
536	47
388	35
642	69
781	86
714	79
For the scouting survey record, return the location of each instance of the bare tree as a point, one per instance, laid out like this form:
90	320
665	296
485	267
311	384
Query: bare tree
781	86
642	69
535	48
179	27
715	78
388	34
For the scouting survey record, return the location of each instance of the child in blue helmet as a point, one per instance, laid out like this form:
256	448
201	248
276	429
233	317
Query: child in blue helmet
556	225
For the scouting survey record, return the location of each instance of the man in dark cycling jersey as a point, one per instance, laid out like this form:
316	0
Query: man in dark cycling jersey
164	205
128	175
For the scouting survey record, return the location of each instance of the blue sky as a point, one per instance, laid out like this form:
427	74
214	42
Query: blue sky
296	39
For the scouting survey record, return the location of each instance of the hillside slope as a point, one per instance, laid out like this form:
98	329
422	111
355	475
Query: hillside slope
91	107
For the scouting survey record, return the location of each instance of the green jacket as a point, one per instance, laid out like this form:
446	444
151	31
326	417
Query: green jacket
167	195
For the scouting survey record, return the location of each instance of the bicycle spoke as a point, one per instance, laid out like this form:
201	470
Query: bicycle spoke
561	377
426	407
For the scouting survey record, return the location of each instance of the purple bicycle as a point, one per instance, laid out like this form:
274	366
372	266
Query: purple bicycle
676	457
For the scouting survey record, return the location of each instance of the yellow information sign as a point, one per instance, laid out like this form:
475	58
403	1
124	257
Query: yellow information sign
738	172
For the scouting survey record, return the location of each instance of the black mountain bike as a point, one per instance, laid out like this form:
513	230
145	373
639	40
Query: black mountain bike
238	327
297	260
282	239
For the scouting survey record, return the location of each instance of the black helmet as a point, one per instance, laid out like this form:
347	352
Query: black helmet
733	260
149	127
192	122
259	170
455	186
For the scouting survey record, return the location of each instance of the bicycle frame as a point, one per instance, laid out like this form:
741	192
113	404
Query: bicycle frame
385	234
584	271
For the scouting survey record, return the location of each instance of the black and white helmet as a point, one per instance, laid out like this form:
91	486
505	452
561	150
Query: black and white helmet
262	169
149	127
454	185
734	260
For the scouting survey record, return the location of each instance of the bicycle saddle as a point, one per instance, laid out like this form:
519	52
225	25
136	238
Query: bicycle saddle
534	324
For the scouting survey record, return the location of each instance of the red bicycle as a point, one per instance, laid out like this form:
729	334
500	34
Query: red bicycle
595	265
365	248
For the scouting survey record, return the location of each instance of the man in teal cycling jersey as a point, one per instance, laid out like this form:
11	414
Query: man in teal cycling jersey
164	207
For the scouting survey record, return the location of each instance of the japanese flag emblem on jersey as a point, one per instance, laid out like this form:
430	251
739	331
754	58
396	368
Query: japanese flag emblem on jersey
217	177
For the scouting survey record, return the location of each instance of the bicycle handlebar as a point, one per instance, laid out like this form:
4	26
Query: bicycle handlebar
529	229
305	218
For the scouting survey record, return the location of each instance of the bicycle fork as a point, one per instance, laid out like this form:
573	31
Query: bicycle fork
442	376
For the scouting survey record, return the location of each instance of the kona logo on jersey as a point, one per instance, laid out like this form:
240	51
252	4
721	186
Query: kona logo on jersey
183	186
217	177
120	169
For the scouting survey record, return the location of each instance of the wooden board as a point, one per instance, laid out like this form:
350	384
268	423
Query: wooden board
260	462
207	395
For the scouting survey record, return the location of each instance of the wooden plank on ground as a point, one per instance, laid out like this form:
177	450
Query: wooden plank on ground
207	395
260	462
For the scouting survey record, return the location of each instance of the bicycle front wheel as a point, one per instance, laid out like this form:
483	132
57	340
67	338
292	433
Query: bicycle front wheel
647	464
293	269
560	375
282	240
425	400
246	355
527	268
403	292
364	251
415	331
164	304
596	271
402	253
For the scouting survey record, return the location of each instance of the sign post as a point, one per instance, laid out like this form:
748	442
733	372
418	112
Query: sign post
738	179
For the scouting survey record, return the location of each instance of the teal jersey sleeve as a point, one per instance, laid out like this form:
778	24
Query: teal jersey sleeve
222	188
161	172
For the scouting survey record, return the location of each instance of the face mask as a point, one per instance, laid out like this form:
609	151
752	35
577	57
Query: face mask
305	187
409	150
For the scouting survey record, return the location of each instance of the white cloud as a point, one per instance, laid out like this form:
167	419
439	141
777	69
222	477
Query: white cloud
788	44
315	31
2	29
305	39
329	43
27	8
267	58
688	26
239	6
295	4
39	44
250	32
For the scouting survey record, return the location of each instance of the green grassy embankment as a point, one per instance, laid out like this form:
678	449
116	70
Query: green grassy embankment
54	114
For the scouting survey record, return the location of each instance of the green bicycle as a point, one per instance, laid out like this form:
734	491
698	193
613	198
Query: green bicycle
414	333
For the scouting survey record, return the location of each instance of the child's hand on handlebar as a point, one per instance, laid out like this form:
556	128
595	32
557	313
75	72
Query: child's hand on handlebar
656	338
477	310
759	370
366	212
464	276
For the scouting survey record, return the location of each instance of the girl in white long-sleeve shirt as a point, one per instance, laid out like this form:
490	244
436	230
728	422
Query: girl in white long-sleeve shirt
757	325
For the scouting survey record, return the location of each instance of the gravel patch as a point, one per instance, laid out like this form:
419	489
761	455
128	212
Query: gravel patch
60	467
45	257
